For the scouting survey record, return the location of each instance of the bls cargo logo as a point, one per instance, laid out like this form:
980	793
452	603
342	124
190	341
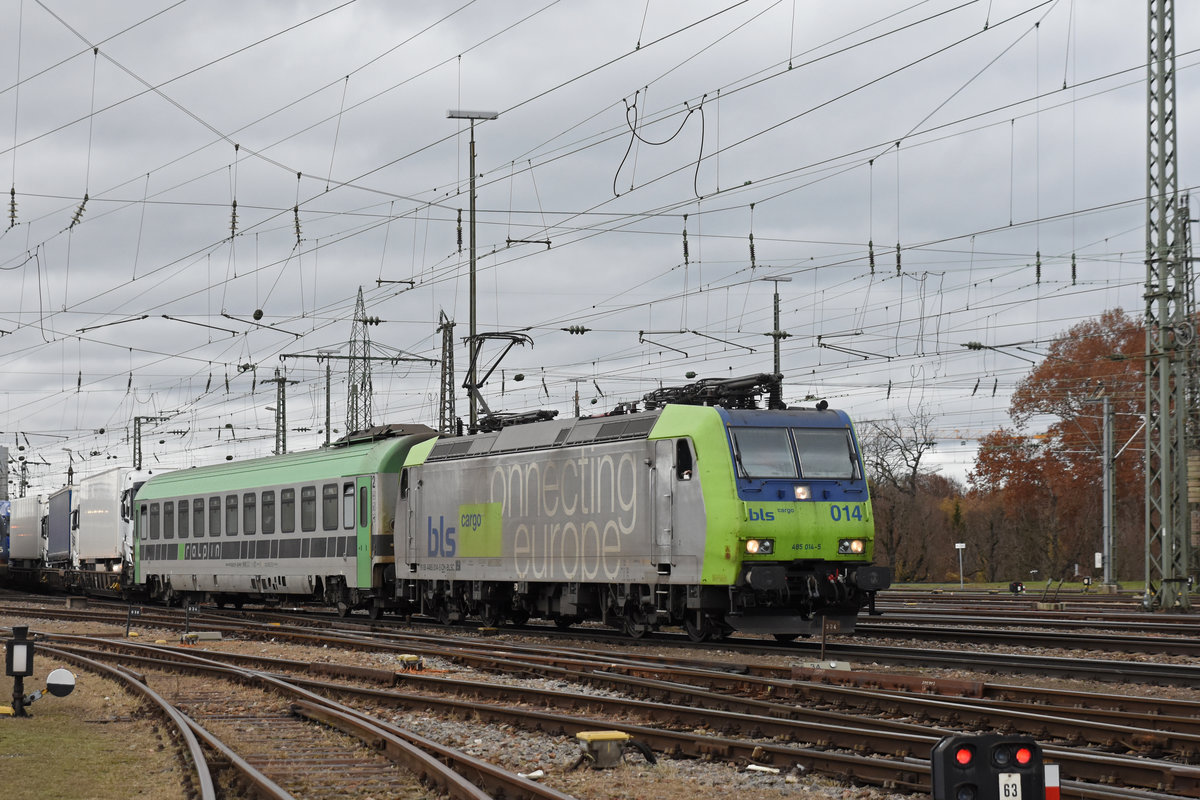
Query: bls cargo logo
761	515
442	539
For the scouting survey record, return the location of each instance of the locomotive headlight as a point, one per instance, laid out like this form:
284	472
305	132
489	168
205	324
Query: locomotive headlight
851	546
760	547
803	493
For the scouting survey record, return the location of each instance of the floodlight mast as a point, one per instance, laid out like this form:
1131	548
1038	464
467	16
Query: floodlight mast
472	343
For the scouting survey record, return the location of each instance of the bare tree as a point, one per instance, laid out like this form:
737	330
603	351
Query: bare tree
894	451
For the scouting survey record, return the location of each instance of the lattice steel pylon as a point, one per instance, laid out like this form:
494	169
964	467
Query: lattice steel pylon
446	416
1168	329
358	404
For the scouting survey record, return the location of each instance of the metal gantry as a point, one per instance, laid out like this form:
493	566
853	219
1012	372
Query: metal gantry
446	414
1168	332
358	404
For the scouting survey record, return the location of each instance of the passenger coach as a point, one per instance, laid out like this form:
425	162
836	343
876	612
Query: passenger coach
306	526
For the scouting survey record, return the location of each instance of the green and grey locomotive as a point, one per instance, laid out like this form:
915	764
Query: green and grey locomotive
713	518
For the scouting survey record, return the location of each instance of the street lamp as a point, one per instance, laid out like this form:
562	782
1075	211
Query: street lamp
777	334
472	343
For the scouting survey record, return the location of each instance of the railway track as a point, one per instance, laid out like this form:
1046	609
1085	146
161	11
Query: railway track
688	705
273	734
301	626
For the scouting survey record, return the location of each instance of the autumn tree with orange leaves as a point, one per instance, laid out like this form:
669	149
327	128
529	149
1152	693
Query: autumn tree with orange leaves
1048	485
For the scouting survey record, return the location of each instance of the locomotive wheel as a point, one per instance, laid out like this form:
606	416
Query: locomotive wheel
564	622
491	616
519	616
698	631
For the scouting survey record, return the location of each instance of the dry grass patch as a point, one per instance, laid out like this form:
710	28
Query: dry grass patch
94	744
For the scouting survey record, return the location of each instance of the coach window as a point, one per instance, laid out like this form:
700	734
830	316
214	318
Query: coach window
329	507
348	506
683	460
184	507
268	512
249	510
143	521
231	515
154	520
287	511
308	508
169	520
198	517
214	516
364	510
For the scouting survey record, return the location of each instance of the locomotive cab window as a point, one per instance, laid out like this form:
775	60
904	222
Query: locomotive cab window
683	460
403	484
826	453
348	506
763	453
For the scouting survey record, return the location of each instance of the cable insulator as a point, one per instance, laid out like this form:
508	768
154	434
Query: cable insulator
12	207
871	255
686	260
460	231
1072	269
296	219
752	264
897	259
1037	268
78	213
233	221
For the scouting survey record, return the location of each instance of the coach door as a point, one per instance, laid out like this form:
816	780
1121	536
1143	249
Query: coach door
662	479
365	515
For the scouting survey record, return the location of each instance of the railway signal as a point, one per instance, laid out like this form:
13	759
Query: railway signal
987	767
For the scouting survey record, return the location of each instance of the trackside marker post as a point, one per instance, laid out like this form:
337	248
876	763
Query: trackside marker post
1052	789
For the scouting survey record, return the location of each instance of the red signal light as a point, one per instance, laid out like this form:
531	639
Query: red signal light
964	756
1024	755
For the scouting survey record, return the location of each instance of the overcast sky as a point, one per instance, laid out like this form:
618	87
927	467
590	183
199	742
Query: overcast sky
997	143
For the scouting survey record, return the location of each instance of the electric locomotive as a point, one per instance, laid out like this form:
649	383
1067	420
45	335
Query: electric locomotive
703	511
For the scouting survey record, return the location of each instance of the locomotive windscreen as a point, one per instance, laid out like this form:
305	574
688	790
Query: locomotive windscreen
794	453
